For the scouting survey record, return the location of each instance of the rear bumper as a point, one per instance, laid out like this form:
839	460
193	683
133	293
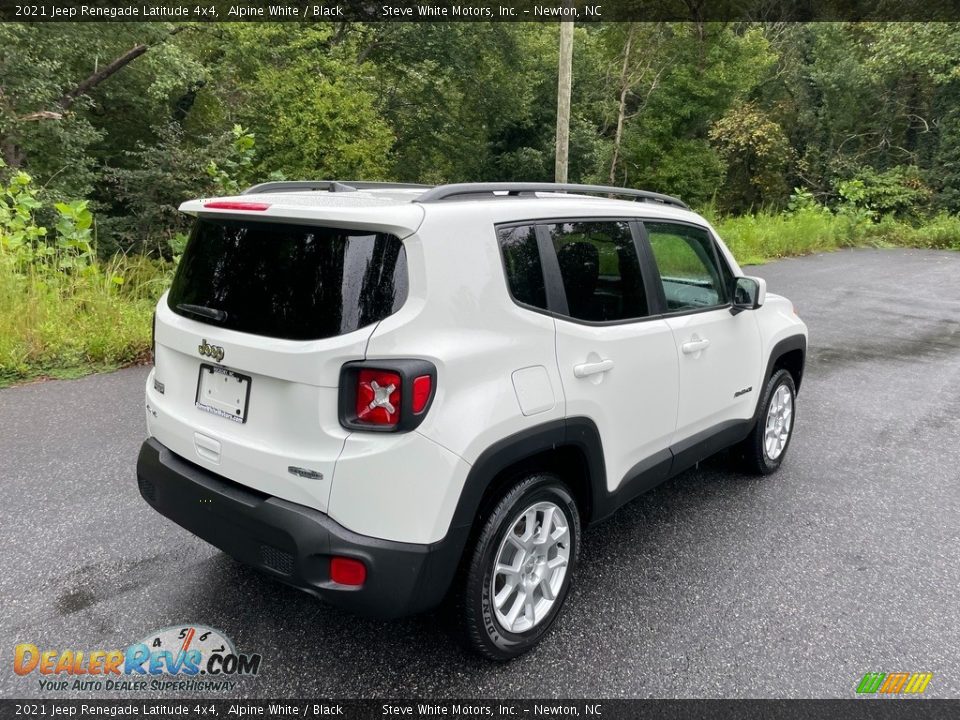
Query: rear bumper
294	543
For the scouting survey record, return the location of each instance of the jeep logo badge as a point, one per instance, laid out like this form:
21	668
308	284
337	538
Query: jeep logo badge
215	352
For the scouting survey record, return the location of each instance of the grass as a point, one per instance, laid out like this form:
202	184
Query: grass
54	324
758	238
57	325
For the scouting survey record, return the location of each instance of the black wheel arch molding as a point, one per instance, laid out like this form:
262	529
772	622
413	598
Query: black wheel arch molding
789	344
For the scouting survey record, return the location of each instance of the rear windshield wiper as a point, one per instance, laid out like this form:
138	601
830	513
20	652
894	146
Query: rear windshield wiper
203	312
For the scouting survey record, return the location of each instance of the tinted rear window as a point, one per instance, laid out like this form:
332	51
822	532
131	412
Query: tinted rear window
297	282
522	260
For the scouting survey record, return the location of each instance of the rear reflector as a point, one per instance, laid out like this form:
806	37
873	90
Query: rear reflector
378	397
234	205
421	393
347	571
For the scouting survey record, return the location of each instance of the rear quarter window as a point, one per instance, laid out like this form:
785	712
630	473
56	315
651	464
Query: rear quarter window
521	258
296	282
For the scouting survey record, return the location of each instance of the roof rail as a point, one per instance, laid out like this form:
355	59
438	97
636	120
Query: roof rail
284	186
447	192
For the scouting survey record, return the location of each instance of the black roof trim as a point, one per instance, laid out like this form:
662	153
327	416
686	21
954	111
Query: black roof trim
440	193
284	186
514	189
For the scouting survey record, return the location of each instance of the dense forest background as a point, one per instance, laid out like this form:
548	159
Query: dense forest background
792	137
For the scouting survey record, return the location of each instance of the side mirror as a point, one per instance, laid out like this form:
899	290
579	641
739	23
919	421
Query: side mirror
748	293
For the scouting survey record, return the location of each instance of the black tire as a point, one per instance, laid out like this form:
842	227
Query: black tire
486	633
754	454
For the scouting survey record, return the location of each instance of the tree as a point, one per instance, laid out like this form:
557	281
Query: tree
755	151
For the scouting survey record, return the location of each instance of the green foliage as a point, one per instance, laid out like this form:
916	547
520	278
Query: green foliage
231	173
21	238
766	235
899	191
28	247
756	152
803	199
61	309
74	235
306	95
161	176
692	74
56	323
320	127
860	119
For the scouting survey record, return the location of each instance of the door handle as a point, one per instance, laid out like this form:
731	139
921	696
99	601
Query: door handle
695	346
592	368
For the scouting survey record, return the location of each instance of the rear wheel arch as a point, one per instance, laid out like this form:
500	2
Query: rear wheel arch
568	448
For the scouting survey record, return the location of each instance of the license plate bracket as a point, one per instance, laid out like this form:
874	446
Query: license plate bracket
223	392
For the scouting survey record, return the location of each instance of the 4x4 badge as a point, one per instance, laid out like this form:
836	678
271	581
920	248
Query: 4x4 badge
211	351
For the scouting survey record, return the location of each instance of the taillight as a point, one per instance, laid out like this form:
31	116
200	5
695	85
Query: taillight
386	395
153	339
378	397
347	571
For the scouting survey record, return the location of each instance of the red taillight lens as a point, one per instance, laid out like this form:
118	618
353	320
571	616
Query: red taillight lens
389	395
422	386
235	205
347	571
378	397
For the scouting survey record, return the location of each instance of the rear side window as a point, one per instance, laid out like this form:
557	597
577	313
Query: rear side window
691	275
296	282
521	257
600	270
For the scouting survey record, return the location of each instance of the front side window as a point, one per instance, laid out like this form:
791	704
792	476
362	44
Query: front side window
521	257
600	270
296	282
691	275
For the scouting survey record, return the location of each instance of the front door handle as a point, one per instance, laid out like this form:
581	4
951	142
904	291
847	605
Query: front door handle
695	346
592	368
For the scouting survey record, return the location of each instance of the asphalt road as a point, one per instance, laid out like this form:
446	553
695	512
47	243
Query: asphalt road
714	584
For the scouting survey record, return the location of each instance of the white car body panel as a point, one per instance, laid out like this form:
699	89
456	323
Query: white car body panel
634	403
710	378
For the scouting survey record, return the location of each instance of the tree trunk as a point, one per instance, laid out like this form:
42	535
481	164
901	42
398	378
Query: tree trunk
622	110
114	67
564	82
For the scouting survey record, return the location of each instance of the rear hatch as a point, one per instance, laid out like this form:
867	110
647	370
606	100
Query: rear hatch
250	340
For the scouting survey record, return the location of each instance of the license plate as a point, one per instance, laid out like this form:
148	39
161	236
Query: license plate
223	392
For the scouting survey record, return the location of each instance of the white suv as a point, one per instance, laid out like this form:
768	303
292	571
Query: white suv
381	393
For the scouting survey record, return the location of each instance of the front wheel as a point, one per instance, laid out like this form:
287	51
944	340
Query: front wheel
521	567
765	447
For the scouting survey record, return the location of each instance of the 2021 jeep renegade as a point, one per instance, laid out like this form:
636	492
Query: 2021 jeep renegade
384	393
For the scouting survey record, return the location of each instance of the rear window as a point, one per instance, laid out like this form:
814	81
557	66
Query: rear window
296	282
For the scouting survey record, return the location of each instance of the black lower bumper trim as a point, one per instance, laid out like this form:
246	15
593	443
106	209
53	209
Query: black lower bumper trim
294	543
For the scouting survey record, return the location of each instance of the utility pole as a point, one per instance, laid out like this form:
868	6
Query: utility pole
565	78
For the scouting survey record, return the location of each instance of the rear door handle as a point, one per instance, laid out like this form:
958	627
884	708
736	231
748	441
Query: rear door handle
695	346
592	368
